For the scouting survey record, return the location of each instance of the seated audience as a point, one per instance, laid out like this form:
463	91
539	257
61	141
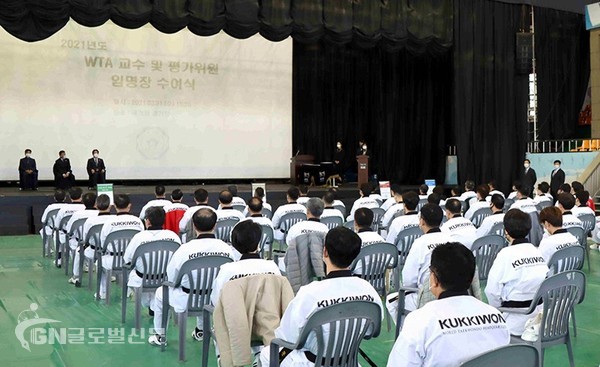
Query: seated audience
291	207
408	220
160	200
482	194
552	220
523	202
365	200
459	228
497	207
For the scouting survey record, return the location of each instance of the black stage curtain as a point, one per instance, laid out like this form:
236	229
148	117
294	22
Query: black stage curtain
398	102
393	24
490	99
563	70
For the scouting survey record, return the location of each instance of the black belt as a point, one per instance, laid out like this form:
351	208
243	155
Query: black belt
188	291
139	274
519	304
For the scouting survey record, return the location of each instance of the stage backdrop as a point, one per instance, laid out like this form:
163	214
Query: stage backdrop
155	105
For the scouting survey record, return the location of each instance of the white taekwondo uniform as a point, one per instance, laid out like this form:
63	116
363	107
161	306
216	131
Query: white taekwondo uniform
364	202
526	205
408	220
489	222
461	230
559	240
155	202
291	207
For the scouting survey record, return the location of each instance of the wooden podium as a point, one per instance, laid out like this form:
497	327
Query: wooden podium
296	162
363	169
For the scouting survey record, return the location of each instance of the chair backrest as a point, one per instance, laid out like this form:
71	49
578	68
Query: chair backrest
498	229
580	234
479	215
374	261
116	242
349	224
544	204
341	208
224	227
189	231
537	232
77	229
339	329
289	219
378	214
266	238
464	206
50	218
239	207
567	259
155	257
405	240
559	294
589	222
332	222
508	355
266	212
508	203
421	204
92	238
200	273
64	221
485	250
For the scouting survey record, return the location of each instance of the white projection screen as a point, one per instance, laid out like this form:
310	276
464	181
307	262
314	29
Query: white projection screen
157	106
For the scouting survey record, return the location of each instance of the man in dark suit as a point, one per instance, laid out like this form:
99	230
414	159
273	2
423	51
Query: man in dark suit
63	176
529	177
557	179
96	170
28	173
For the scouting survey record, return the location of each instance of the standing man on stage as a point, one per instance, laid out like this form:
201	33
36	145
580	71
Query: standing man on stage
96	170
557	179
528	177
63	175
28	173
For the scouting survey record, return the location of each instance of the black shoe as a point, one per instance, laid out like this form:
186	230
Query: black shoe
150	312
78	284
197	334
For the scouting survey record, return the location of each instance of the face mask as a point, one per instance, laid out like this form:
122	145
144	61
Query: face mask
339	146
95	155
526	165
27	155
364	147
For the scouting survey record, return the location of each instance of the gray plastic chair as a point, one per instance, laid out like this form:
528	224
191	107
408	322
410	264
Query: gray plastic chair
404	242
421	204
76	233
267	238
589	223
58	245
92	240
349	224
464	206
559	295
341	208
544	204
498	229
508	203
288	220
537	232
581	236
375	260
378	214
223	229
115	244
485	250
189	232
332	222
344	325
200	273
239	207
50	218
479	215
508	355
266	212
155	257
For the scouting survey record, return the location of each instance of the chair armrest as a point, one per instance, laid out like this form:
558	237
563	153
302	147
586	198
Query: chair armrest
408	289
515	310
282	343
209	308
167	283
128	266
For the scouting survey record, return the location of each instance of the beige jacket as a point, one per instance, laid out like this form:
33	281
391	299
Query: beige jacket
249	309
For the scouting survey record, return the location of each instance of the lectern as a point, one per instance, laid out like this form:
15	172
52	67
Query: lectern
296	162
363	169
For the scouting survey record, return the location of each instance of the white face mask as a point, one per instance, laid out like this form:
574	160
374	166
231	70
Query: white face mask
556	166
526	165
95	155
339	146
364	147
27	155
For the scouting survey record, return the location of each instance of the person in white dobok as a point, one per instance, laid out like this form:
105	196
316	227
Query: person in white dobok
259	192
365	201
303	199
423	189
482	194
90	211
160	200
458	227
517	272
75	193
565	203
395	191
363	221
469	193
581	207
103	207
59	201
336	202
123	220
236	199
497	207
342	246
255	205
226	210
408	220
154	221
330	210
493	190
291	207
552	220
201	200
392	211
542	194
176	202
523	201
204	245
454	328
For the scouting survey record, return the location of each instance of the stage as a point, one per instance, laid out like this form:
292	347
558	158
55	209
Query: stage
21	211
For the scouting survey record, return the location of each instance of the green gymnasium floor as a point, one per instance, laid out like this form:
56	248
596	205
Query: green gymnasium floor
26	278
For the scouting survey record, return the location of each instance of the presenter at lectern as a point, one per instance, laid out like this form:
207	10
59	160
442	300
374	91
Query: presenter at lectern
96	170
63	176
